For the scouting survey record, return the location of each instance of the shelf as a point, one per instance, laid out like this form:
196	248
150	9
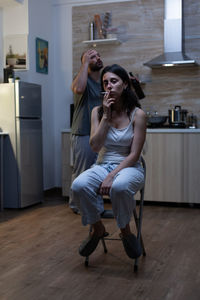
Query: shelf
18	67
102	41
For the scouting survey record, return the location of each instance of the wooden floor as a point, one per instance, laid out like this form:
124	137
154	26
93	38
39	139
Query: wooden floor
39	256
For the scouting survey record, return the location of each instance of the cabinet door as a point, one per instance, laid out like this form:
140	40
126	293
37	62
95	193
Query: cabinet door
164	159
66	164
191	182
29	161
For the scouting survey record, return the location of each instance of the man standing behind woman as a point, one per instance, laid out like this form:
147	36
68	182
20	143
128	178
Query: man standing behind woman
86	88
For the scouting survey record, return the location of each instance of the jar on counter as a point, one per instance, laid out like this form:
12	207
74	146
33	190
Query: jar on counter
192	121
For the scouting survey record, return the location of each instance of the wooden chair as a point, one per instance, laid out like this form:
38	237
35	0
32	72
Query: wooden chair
138	222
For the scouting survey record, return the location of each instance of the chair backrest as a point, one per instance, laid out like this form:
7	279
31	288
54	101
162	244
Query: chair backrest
144	166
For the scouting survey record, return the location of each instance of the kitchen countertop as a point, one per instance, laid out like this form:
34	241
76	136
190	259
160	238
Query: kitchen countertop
160	130
173	130
66	130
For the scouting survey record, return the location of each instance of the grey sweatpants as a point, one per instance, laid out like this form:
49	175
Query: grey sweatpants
83	159
125	185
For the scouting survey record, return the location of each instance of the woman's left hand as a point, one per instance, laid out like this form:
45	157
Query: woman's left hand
105	186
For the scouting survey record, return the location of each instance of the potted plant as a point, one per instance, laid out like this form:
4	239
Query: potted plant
10	79
11	58
17	78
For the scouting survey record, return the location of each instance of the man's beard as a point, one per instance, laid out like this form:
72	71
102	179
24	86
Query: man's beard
96	67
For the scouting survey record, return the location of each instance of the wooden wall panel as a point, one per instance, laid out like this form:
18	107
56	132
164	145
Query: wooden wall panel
191	28
140	39
141	25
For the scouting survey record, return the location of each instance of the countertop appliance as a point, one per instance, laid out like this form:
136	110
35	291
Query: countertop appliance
20	116
166	125
178	117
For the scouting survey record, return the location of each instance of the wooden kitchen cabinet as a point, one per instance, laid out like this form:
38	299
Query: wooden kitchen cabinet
172	161
191	182
66	164
173	165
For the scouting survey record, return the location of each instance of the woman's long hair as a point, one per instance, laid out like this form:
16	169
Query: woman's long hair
128	96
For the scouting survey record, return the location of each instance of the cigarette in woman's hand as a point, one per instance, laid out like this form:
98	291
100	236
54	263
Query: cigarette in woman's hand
104	93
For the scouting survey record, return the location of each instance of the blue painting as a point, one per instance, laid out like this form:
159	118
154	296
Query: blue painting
41	56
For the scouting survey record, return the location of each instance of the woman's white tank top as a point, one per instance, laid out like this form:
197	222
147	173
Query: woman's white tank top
117	144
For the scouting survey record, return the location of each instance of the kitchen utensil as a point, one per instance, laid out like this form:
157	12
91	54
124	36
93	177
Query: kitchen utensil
106	23
156	120
177	116
98	23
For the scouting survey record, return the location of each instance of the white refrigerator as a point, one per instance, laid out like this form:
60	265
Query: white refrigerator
20	116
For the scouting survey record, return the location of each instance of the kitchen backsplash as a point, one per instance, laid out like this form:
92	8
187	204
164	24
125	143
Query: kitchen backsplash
139	26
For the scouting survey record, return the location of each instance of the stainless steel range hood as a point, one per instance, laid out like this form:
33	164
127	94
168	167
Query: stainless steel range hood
171	59
173	50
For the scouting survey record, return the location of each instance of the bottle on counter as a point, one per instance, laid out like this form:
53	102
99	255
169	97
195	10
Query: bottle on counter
137	87
91	31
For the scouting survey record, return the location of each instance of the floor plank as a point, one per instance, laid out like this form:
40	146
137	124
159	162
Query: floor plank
39	256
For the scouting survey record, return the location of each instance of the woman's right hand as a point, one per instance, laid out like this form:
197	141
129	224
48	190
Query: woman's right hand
107	106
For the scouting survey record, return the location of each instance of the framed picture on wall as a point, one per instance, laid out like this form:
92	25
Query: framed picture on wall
41	56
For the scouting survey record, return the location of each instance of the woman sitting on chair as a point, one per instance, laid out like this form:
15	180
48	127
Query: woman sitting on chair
118	131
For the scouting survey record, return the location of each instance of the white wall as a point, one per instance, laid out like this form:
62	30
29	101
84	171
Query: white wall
62	78
15	19
35	17
41	25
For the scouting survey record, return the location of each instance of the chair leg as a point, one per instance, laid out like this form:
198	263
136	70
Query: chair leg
143	249
138	223
87	257
104	245
136	265
87	261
